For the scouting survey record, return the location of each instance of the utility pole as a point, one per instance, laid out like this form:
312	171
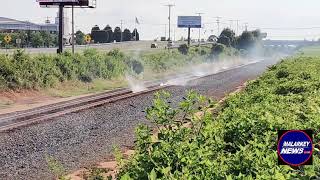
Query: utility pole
121	22
189	39
47	43
231	24
174	34
238	26
72	33
135	29
165	31
169	18
60	50
199	13
218	23
246	26
29	34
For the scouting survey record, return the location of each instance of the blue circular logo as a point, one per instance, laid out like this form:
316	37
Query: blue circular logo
295	147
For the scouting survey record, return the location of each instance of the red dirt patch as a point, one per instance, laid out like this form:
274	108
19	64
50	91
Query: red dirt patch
22	100
25	96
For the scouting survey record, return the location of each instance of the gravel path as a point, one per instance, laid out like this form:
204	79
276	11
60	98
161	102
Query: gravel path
82	139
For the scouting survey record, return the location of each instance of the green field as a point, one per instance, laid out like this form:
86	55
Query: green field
310	51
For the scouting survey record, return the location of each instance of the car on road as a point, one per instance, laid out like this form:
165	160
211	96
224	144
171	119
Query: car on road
154	45
170	44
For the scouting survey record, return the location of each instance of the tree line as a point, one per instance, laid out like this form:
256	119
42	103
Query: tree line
247	41
30	39
38	39
108	35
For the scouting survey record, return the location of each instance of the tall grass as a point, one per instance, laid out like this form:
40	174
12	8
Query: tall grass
24	71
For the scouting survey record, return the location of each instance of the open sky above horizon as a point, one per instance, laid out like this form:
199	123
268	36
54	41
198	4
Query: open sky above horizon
281	19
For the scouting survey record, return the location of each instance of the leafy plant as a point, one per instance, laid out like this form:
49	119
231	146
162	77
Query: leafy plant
56	168
95	174
240	142
183	49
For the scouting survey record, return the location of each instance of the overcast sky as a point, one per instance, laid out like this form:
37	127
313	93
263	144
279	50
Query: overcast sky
281	19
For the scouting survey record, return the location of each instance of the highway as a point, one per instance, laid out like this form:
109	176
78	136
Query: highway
123	46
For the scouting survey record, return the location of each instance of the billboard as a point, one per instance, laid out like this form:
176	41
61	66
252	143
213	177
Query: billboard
189	21
57	1
68	3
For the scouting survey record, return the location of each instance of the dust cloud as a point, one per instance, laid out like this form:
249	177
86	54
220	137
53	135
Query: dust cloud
192	72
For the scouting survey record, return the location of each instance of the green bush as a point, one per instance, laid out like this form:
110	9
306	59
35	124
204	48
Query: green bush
25	71
183	49
217	49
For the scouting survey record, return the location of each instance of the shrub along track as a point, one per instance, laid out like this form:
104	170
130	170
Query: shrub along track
86	137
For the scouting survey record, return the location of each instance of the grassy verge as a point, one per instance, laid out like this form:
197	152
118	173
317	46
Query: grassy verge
5	103
93	71
241	141
76	88
25	71
311	51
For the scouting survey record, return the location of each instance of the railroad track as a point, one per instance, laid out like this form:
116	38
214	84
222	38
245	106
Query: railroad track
20	119
24	118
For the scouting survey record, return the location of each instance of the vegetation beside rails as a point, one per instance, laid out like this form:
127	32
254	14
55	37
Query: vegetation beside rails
309	51
24	71
239	142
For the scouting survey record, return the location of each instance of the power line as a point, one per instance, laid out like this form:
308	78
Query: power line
288	28
231	23
218	23
121	24
237	25
246	26
199	13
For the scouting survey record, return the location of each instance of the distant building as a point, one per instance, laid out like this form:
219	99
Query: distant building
12	25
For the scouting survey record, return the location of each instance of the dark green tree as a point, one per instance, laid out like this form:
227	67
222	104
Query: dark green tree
127	36
2	39
24	38
246	40
224	40
117	34
80	37
95	28
99	36
134	34
48	39
217	49
183	49
36	39
257	34
227	37
109	31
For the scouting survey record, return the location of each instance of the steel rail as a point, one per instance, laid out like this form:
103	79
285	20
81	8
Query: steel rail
36	118
16	120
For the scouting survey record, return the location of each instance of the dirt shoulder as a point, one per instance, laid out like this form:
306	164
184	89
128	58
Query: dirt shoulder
13	101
